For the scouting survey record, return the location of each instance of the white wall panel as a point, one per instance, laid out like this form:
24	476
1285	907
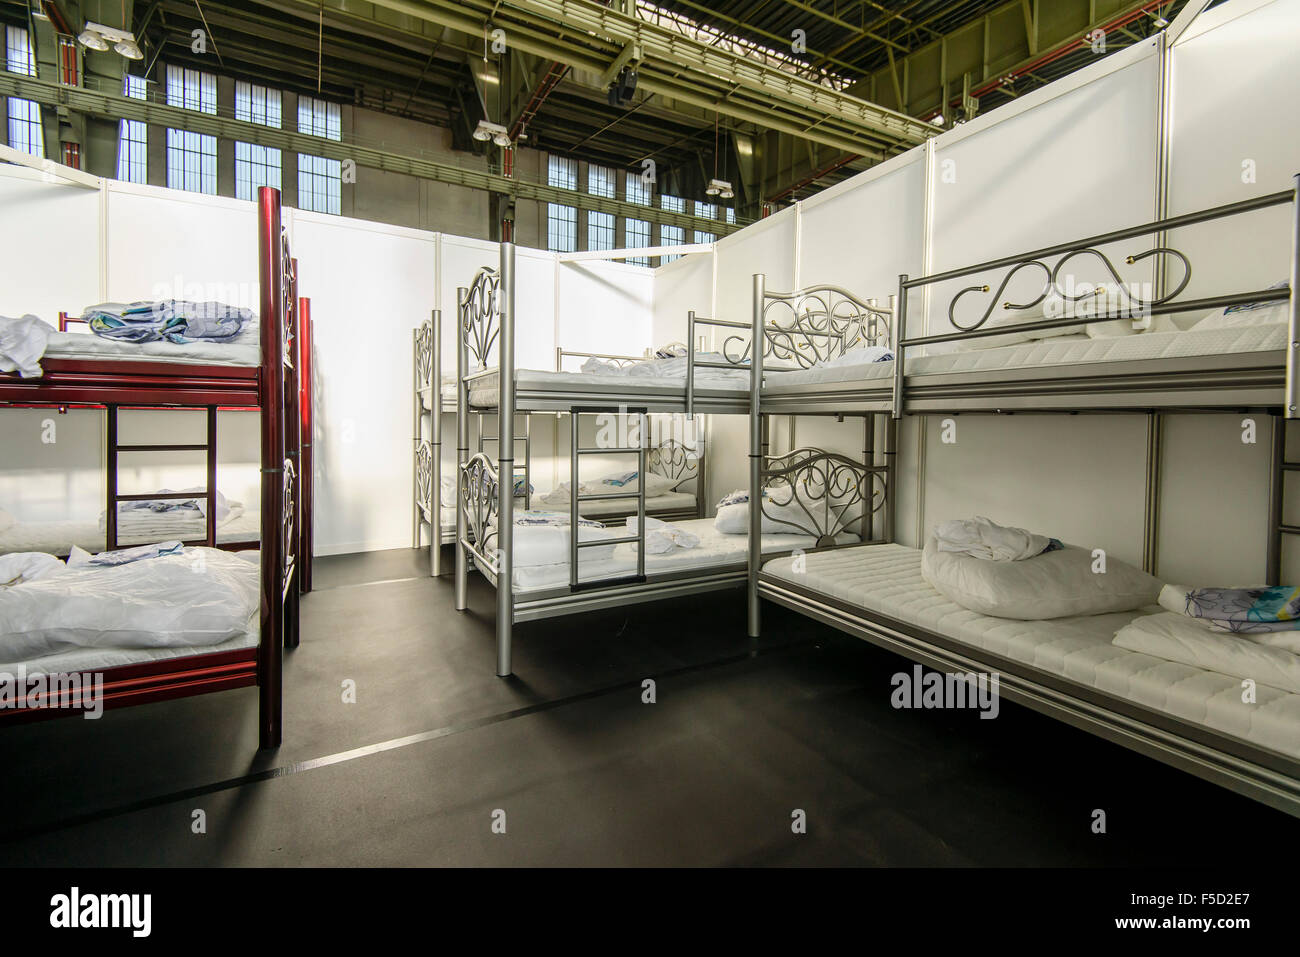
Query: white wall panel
767	247
49	248
681	286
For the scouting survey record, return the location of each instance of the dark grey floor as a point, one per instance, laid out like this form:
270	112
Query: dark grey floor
742	735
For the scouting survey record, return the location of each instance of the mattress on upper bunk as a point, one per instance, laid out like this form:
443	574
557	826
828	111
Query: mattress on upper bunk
57	538
716	549
244	350
1059	351
886	579
1062	350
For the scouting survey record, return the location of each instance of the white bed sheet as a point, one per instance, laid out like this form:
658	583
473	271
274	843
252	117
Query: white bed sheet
1047	352
244	350
57	538
100	659
887	579
715	549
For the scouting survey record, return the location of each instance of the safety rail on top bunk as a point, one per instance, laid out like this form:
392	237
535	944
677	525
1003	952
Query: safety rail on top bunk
819	323
1136	307
621	361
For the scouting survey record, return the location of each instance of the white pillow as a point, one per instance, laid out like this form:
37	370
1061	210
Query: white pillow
1053	585
1247	314
19	567
733	519
7	521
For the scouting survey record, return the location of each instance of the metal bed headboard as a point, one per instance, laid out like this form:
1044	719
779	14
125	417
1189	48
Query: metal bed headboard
829	494
676	461
802	328
621	361
1051	260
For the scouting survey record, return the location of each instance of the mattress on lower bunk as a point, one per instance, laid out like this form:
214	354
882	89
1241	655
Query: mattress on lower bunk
101	659
715	550
886	579
57	538
244	350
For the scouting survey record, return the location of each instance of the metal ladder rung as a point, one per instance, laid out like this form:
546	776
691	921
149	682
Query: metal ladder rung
1289	529
592	543
606	496
162	448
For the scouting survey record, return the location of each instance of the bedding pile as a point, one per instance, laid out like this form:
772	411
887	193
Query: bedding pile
673	367
22	344
1057	581
610	484
542	538
192	598
663	537
980	537
174	320
158	519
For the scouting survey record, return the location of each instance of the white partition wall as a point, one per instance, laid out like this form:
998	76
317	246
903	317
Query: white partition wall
767	246
680	286
49	250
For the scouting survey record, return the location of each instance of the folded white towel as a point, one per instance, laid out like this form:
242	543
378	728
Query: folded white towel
982	538
662	537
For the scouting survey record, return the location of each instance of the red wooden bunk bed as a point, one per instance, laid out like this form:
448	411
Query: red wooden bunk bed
279	387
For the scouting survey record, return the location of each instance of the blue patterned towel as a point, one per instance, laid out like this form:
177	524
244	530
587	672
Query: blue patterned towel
553	519
1248	610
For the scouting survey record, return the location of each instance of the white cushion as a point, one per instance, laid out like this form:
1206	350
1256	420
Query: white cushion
777	507
1056	584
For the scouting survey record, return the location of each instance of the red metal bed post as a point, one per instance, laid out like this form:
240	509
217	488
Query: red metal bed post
307	476
292	458
270	258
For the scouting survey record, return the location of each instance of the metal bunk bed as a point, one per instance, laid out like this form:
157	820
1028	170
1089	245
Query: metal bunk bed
820	326
1263	380
279	387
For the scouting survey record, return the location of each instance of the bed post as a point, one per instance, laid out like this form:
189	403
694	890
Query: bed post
271	268
891	479
435	412
292	460
1293	309
756	455
306	474
462	447
900	333
506	461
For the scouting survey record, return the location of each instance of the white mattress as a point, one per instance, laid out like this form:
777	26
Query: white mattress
57	538
1066	350
99	659
887	579
244	350
715	549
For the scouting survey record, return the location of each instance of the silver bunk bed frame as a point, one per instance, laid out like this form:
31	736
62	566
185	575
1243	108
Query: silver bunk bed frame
1261	380
486	324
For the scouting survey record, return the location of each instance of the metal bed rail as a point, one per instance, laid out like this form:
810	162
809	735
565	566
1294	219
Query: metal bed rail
1165	303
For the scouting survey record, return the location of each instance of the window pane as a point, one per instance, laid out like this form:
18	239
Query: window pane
636	233
706	210
320	184
257	104
638	189
671	236
25	127
561	172
600	230
318	118
191	89
255	166
600	181
132	138
702	237
191	161
561	228
19	57
674	204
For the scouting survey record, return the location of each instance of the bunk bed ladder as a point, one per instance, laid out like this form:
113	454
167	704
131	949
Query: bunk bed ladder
113	448
576	451
1277	524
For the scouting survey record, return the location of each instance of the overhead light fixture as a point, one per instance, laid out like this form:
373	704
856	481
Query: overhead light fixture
624	86
96	36
720	187
92	40
487	130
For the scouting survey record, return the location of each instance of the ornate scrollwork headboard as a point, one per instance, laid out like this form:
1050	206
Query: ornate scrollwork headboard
821	494
480	315
478	496
1134	303
424	355
813	325
674	461
425	494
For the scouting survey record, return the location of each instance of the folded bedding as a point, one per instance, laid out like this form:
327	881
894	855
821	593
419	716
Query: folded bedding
663	537
619	482
1264	611
1175	637
983	538
194	598
542	538
22	344
169	518
175	320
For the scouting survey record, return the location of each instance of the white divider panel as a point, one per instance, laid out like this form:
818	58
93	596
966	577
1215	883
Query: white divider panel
459	258
49	249
169	244
768	247
1234	136
370	285
606	307
680	286
863	234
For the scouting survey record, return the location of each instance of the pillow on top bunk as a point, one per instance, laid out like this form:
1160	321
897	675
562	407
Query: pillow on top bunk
1056	584
1247	314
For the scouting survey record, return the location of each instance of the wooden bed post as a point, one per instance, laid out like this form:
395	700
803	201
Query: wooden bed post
271	388
306	474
